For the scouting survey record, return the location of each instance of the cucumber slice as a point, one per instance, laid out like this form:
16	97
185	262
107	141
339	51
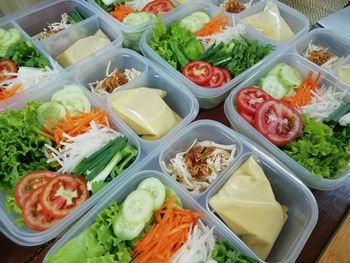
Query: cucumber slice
138	207
202	16
192	24
50	111
272	85
126	230
169	193
157	190
290	76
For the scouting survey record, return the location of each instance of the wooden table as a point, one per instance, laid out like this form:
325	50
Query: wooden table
333	206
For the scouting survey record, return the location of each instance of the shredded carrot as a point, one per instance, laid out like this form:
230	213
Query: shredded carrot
121	11
167	235
303	95
73	125
7	93
215	25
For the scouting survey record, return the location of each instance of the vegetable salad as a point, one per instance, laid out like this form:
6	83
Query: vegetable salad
149	226
208	51
135	12
58	152
307	120
21	64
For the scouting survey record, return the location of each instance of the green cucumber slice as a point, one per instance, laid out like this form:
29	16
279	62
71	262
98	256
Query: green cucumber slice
126	230
138	207
202	16
157	190
272	85
50	111
290	77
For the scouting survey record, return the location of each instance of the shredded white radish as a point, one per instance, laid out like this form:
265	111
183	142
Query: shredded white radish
217	161
198	247
324	102
75	149
234	32
27	77
331	63
54	28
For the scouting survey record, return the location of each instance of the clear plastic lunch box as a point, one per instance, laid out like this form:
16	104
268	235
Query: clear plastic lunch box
336	43
24	235
132	34
209	98
178	98
289	191
238	123
32	20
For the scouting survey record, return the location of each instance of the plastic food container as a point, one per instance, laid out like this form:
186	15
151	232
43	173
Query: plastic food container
25	236
326	38
238	123
289	191
178	98
132	34
209	98
131	184
6	23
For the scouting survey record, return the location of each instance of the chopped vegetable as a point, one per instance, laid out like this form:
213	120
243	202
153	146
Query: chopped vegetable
321	56
200	165
121	11
234	6
8	93
73	125
318	150
304	94
167	235
223	252
113	80
214	26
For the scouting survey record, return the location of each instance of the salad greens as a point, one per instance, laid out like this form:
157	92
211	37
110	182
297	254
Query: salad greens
236	56
21	146
318	150
23	53
223	252
97	243
176	45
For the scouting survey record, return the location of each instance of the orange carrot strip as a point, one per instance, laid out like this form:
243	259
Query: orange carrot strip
121	11
215	25
7	93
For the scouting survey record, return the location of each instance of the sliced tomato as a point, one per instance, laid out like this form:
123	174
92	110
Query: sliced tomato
248	117
7	66
33	214
158	7
278	122
63	194
217	79
29	182
227	75
248	99
200	72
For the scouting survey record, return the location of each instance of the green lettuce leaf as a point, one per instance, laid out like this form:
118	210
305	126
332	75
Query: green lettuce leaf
318	150
223	252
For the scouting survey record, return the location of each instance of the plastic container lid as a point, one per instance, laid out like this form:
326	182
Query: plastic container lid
237	122
209	98
24	235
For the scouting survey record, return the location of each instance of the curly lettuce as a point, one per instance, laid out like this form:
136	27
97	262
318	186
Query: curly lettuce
224	252
318	150
21	146
97	243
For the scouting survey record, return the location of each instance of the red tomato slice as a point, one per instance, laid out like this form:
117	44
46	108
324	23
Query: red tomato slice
33	214
248	99
227	75
278	122
217	79
7	66
199	72
158	7
63	194
29	182
248	117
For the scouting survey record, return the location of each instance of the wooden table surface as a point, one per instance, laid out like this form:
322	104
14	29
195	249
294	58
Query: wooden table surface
333	206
